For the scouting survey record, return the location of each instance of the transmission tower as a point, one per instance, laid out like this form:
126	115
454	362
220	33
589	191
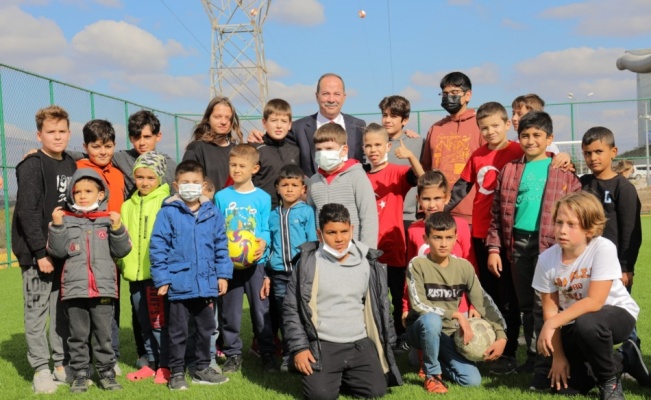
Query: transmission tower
238	69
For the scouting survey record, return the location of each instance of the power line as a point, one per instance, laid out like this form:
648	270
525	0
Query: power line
184	26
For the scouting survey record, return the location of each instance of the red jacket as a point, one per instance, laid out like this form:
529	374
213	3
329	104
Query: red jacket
559	183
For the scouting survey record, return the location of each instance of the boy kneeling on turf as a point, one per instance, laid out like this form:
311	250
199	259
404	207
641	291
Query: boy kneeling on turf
436	283
336	314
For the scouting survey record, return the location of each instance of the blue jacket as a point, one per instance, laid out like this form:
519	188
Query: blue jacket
289	229
189	253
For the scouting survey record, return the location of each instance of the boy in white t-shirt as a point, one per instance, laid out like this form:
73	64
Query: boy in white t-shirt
585	305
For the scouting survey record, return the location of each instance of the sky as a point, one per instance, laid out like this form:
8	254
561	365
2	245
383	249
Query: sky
157	52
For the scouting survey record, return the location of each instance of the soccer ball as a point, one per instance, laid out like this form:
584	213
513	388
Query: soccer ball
483	337
241	247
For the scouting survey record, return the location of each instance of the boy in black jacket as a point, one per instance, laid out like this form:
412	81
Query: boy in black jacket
42	182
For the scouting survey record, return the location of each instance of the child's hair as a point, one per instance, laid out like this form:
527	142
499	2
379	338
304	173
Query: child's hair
52	112
623	166
139	120
328	74
397	105
440	221
458	79
333	212
210	186
491	108
99	185
98	129
538	120
600	133
531	101
189	166
246	151
290	171
432	178
202	130
331	132
589	211
377	129
277	106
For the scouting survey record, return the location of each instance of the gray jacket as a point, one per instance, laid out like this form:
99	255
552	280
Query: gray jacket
88	245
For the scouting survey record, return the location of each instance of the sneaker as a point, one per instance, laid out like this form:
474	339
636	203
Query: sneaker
177	382
80	384
503	366
215	366
527	367
233	364
611	390
254	351
143	373
284	366
208	376
634	363
540	382
117	370
269	363
434	384
162	376
43	382
401	345
143	361
63	376
107	381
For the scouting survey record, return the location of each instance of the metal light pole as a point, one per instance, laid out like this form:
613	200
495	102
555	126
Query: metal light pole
646	118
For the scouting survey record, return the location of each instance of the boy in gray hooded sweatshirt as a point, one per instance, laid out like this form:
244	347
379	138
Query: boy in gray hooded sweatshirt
88	238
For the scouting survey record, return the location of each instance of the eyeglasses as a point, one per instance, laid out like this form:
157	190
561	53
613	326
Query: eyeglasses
455	92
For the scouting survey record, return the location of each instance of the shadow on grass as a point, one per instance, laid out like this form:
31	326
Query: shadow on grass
14	351
290	384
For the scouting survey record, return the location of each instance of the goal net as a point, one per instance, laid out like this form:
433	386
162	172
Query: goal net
573	148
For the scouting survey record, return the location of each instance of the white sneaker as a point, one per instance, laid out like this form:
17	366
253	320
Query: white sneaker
43	382
117	370
62	377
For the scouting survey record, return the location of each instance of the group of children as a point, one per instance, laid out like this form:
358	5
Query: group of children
189	254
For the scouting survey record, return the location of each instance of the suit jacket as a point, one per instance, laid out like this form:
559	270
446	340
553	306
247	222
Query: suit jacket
302	134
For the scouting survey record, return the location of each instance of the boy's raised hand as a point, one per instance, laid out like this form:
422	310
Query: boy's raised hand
116	221
57	216
403	152
162	291
255	136
495	350
222	286
495	264
302	362
262	245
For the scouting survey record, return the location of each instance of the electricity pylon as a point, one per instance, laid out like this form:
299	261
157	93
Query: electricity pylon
238	69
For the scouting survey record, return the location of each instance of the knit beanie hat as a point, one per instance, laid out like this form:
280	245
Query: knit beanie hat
153	160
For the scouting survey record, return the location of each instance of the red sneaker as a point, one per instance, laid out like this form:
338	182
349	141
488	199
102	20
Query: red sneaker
434	384
162	376
143	373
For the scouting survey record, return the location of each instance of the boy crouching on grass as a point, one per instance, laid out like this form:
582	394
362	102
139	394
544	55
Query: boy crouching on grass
88	237
190	263
436	284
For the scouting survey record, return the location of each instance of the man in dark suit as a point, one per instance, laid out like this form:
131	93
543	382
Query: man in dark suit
330	94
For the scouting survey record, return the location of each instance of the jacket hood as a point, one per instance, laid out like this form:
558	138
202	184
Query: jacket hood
176	201
468	114
87	173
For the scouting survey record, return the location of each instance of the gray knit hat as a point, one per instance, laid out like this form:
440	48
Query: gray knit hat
153	160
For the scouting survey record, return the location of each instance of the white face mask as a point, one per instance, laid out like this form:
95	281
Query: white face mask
383	160
328	160
335	253
91	207
190	191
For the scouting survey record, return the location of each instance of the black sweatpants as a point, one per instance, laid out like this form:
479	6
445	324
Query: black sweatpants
201	310
396	281
90	317
353	367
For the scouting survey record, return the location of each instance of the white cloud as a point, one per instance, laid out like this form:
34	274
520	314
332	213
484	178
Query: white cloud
193	86
622	18
509	23
176	49
298	94
275	70
109	3
485	74
411	94
459	2
297	12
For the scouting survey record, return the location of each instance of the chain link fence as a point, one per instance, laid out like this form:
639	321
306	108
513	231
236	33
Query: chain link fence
23	93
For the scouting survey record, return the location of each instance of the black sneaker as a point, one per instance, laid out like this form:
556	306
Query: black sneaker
503	366
208	376
232	364
107	381
611	390
401	345
527	367
177	382
540	382
634	363
80	384
269	363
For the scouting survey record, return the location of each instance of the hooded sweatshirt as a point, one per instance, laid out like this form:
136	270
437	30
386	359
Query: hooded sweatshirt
88	244
448	147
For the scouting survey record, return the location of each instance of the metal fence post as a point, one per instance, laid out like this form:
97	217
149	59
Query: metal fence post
92	105
5	189
51	85
572	119
176	129
126	123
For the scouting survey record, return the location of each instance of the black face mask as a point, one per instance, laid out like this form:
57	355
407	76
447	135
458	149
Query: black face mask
451	104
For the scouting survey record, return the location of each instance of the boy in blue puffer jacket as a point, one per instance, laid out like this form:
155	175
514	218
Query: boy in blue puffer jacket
88	237
190	263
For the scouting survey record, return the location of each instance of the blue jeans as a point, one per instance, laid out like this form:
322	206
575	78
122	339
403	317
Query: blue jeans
153	320
439	352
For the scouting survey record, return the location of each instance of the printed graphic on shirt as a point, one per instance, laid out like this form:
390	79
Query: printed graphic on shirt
575	286
442	292
62	186
241	227
487	179
607	198
457	152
